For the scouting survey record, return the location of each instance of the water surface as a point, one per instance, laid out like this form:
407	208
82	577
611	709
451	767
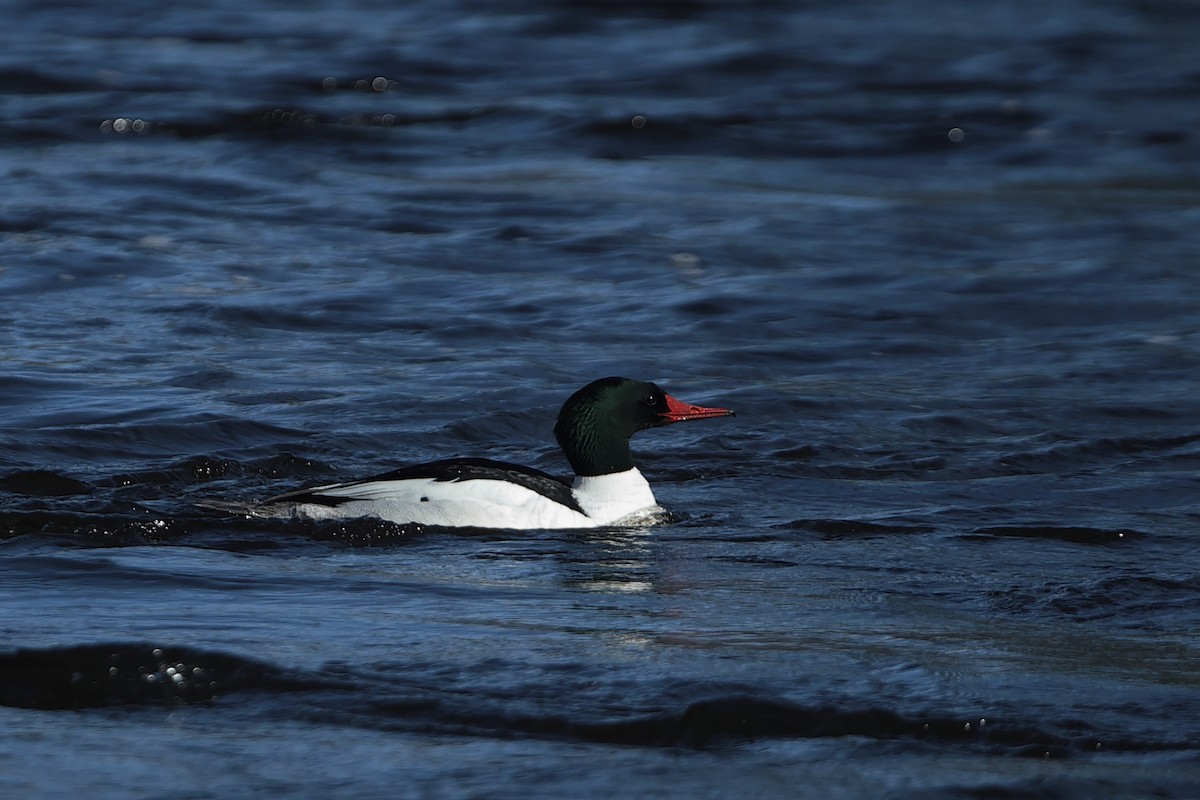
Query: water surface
940	259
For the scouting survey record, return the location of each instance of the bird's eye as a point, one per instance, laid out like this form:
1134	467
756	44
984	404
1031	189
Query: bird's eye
651	400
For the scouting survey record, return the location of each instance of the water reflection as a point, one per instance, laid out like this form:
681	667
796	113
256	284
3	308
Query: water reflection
617	560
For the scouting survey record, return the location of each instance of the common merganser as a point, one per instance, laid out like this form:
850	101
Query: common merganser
593	430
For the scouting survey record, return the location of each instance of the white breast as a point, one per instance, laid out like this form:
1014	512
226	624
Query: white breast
615	497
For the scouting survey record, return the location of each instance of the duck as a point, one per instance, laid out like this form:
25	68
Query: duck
593	430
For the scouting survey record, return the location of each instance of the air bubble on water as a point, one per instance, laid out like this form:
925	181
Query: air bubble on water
155	241
124	125
685	261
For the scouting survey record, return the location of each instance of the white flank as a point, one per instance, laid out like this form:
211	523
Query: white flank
481	503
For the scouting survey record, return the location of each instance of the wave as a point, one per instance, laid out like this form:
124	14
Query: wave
100	675
1134	601
138	674
1096	452
1078	534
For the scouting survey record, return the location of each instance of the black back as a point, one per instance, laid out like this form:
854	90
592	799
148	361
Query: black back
454	469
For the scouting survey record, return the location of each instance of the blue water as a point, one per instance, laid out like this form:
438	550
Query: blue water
940	258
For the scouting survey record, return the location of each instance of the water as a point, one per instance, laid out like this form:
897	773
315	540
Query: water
939	258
